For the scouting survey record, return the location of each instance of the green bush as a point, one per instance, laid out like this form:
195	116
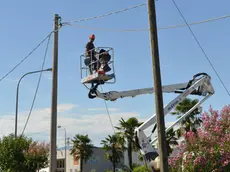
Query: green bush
141	169
112	171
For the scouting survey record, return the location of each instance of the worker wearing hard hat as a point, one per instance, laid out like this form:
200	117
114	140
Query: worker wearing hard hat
90	52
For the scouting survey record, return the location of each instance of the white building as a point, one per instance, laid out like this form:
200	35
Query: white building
71	164
97	162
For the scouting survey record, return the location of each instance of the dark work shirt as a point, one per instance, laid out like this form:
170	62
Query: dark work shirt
89	46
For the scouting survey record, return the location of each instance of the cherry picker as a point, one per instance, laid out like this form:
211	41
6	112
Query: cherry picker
200	85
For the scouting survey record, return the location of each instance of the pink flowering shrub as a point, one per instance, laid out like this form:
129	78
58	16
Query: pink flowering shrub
208	150
38	149
37	155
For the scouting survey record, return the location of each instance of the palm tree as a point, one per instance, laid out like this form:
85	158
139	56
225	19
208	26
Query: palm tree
82	149
193	120
171	139
114	146
127	129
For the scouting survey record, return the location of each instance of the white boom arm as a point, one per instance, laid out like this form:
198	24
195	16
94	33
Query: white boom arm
113	95
173	88
201	87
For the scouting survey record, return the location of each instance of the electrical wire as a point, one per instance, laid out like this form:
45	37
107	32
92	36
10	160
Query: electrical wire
75	124
25	57
161	28
198	22
110	119
38	84
69	23
201	48
104	15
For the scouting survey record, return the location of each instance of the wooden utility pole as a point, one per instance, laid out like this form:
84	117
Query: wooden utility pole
53	131
68	142
157	87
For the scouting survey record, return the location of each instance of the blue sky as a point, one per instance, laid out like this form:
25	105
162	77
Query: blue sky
25	23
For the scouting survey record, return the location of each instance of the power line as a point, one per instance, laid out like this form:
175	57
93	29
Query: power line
43	63
108	113
40	132
25	58
201	48
199	22
110	119
161	28
69	23
104	15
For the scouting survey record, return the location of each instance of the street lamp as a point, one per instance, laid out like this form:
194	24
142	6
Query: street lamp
65	148
16	114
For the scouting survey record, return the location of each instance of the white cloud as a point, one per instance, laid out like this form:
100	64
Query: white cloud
65	107
97	126
39	119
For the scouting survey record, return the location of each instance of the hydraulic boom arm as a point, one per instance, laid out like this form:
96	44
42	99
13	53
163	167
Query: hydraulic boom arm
201	87
196	86
173	88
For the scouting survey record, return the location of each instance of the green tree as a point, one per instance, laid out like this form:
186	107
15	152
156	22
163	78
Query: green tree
114	146
141	169
171	140
12	153
191	122
127	129
37	156
82	149
16	154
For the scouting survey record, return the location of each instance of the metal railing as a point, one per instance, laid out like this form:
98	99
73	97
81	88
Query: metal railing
93	59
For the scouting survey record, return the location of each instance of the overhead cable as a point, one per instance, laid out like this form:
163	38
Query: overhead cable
25	57
69	23
38	84
202	49
108	113
104	15
161	28
110	119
